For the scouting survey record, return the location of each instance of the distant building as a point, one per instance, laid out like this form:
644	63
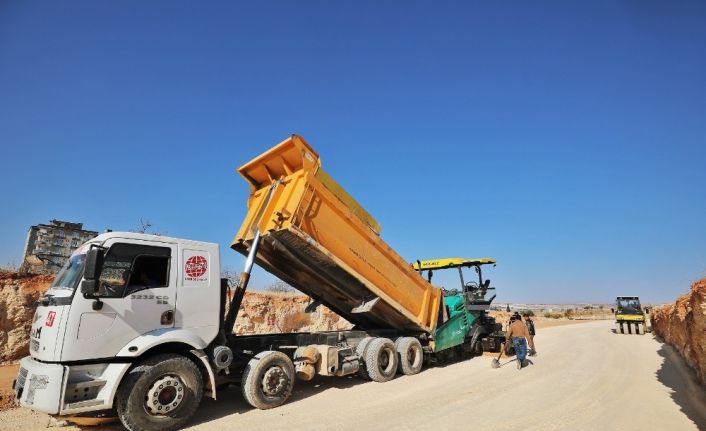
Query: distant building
49	245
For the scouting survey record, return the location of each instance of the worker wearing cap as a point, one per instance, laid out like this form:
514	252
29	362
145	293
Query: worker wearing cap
519	334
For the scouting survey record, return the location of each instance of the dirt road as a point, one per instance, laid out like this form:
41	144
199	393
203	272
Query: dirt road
585	378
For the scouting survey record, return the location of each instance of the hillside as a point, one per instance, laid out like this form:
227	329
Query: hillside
683	325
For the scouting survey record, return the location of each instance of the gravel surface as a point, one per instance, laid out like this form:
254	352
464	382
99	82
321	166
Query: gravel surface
585	378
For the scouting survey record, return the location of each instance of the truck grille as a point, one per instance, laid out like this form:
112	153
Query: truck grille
20	382
34	345
21	377
37	381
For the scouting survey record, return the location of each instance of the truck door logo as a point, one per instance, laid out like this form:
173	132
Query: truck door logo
50	319
195	267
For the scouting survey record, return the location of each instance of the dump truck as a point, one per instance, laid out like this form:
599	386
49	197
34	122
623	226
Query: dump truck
630	316
142	325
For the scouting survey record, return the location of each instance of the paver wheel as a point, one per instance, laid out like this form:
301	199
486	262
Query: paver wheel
268	380
160	394
410	355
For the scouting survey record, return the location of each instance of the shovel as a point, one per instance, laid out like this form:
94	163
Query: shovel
496	361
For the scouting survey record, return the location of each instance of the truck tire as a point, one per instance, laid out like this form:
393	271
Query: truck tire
410	355
360	351
381	360
160	394
268	380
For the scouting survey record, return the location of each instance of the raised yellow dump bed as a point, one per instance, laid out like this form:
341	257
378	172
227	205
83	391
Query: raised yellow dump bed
318	239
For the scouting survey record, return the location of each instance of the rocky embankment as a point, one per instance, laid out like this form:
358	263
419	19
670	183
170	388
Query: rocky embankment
261	312
265	312
683	325
18	294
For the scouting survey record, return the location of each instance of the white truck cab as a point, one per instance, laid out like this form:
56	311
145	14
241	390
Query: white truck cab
121	299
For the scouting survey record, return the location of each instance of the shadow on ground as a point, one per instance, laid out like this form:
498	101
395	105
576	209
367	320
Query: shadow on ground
686	391
230	400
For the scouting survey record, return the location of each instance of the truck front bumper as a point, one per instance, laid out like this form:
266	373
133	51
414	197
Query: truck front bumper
39	386
65	390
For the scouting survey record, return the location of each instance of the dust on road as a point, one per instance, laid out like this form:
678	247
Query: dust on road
585	378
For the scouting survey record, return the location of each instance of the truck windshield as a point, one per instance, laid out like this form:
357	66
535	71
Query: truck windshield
71	273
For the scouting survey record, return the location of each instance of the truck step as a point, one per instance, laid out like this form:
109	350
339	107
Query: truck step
86	384
81	404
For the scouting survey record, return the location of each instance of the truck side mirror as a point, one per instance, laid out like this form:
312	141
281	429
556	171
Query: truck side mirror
612	310
89	288
91	274
94	263
647	310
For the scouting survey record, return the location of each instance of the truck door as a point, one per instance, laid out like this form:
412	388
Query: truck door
137	288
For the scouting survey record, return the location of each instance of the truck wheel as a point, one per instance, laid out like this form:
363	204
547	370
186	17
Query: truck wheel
360	351
381	360
162	393
410	355
268	380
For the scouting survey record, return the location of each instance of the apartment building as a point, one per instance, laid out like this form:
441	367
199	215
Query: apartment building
49	245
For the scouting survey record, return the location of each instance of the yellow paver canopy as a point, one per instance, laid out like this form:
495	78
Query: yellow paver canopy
451	262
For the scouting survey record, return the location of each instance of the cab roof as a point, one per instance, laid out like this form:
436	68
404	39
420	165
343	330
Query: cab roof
452	262
147	237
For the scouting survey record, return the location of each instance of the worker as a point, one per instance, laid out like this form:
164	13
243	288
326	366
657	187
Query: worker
530	328
519	335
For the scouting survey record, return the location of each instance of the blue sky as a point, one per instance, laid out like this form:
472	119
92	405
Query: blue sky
565	139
